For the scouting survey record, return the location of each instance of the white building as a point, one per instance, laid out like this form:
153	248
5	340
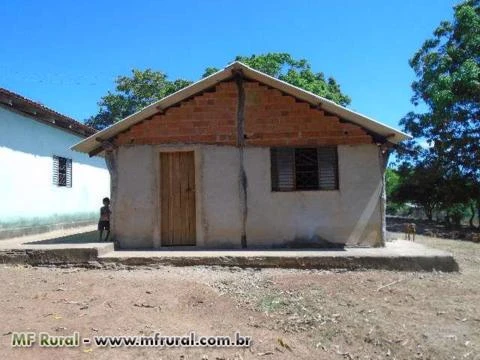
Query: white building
43	184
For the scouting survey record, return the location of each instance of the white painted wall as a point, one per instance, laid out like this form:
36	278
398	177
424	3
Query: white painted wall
29	198
349	215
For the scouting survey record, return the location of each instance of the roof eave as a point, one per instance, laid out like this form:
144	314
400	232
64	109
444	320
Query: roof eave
16	102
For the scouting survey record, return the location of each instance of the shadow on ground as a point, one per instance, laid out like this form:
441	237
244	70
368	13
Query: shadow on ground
297	245
82	238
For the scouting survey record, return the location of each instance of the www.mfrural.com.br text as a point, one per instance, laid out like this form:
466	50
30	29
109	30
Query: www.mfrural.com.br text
44	339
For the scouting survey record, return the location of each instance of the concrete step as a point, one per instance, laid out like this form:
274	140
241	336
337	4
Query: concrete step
75	254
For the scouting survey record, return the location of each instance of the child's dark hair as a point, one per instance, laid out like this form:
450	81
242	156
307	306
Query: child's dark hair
106	200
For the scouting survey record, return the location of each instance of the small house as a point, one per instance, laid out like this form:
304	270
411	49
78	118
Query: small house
240	159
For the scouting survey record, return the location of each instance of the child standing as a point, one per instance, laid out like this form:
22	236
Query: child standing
104	222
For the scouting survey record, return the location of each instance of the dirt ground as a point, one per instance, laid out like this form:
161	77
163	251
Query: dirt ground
290	314
435	229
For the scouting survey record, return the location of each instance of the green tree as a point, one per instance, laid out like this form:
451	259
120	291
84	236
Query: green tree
455	194
209	71
393	182
296	72
448	83
434	188
419	185
132	93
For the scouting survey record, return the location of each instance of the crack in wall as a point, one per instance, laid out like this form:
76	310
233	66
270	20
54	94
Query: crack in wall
243	183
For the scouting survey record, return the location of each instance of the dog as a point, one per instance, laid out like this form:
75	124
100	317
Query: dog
410	229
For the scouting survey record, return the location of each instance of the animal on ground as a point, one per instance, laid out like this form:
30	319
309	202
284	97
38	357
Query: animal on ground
410	229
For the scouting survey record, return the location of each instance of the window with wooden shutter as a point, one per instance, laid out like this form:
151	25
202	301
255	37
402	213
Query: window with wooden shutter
295	169
62	171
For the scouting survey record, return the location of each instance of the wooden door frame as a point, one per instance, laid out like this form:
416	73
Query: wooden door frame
157	241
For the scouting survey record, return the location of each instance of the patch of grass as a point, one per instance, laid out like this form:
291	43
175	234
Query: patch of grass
272	303
329	333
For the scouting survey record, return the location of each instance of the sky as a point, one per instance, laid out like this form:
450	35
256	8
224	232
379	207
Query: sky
67	54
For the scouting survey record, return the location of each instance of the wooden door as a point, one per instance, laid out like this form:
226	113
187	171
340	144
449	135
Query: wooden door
177	198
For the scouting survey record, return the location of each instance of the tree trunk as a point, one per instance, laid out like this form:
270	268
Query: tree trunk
478	212
472	210
429	212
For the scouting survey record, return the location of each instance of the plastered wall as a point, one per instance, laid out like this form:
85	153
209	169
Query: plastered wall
349	215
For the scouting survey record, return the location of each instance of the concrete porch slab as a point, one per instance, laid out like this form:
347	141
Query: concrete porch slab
80	249
396	255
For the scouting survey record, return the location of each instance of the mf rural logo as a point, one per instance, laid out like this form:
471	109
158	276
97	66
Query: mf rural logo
44	339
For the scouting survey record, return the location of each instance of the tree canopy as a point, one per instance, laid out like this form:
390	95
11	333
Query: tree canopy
132	93
144	87
448	83
446	174
296	72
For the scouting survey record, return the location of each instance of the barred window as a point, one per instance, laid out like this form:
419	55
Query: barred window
304	168
62	171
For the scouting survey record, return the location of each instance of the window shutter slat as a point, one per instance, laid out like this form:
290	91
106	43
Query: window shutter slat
69	173
328	168
55	170
283	169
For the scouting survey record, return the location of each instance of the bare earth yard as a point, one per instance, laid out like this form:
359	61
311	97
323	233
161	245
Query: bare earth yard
290	314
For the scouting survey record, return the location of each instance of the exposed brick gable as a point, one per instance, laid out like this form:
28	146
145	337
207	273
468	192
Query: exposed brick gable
274	119
209	118
271	119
